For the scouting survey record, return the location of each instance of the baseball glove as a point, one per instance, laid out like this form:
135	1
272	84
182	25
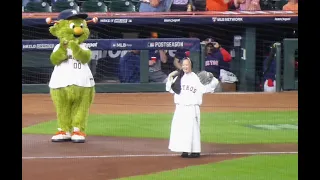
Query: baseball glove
173	74
176	86
205	77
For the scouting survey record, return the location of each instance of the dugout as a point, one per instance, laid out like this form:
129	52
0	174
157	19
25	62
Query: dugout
256	39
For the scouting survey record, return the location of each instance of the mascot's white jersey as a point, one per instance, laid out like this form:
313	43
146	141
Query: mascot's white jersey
191	90
71	72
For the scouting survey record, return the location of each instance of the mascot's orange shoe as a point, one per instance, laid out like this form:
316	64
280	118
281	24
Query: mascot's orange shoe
78	136
61	136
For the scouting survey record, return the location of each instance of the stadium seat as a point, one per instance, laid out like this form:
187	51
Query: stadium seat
137	7
266	5
93	6
136	3
48	1
272	4
279	4
107	2
61	5
199	5
37	7
122	6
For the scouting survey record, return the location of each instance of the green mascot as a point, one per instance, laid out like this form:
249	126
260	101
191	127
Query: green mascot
71	84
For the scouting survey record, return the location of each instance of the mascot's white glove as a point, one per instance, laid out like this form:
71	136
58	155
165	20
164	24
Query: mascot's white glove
208	80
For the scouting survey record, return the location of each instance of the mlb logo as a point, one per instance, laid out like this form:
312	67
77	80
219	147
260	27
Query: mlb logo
214	19
151	44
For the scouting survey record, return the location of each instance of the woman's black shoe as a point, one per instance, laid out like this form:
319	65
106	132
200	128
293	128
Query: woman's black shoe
194	155
184	155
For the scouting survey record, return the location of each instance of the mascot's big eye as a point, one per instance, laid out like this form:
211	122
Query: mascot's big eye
72	25
81	25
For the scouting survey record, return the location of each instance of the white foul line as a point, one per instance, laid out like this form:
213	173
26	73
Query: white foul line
151	155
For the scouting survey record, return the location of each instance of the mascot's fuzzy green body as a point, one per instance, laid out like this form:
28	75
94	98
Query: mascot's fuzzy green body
71	84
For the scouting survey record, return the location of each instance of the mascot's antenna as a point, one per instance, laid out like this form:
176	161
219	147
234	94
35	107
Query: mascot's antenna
94	20
49	20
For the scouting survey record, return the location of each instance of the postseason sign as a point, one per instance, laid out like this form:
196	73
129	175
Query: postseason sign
193	44
170	44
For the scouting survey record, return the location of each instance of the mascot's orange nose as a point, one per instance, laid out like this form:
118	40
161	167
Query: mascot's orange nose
77	30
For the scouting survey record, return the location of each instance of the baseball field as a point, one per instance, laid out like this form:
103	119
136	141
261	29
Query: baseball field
245	136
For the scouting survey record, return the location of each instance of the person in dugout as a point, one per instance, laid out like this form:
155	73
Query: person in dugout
129	67
269	70
217	61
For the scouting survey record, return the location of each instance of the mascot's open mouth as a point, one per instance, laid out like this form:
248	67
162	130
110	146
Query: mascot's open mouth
76	36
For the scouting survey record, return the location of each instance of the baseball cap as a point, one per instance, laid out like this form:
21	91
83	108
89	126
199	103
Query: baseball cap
70	14
209	41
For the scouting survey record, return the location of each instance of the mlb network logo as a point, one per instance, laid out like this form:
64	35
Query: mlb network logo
227	19
151	44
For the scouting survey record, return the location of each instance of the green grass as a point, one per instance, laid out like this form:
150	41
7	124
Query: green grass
215	127
272	167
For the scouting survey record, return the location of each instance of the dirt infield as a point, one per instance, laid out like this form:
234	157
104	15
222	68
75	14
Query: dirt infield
102	158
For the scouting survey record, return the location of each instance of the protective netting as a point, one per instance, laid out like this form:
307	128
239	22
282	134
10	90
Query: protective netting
36	67
224	34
